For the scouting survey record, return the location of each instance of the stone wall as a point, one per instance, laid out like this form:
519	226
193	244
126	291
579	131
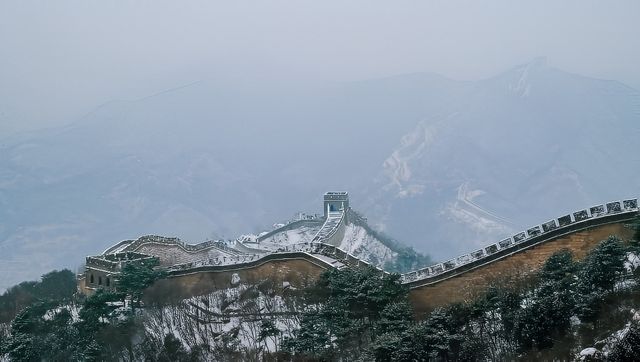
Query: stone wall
469	284
97	278
175	254
608	213
299	269
294	272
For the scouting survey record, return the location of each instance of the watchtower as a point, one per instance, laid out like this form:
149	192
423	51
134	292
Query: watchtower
335	201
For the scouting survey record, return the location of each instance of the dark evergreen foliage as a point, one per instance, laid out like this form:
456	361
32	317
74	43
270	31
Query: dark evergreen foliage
353	304
45	330
55	285
603	266
136	277
599	272
549	307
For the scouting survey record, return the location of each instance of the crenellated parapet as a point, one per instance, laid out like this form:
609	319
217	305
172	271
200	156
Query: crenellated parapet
133	245
610	212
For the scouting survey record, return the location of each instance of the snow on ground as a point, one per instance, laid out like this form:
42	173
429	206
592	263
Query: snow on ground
588	352
632	262
356	242
230	316
365	246
302	234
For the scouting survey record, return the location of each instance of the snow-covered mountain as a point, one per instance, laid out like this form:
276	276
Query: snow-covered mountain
441	165
517	149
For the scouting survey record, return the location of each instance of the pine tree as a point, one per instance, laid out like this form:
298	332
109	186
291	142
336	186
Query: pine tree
549	306
355	307
312	339
35	337
395	318
441	336
55	285
599	272
136	277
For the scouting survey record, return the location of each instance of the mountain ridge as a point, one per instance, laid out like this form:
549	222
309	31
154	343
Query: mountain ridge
209	160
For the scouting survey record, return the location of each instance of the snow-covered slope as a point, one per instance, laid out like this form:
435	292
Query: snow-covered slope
302	234
233	315
358	241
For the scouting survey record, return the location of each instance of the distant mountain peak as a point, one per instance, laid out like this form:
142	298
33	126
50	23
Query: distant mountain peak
521	81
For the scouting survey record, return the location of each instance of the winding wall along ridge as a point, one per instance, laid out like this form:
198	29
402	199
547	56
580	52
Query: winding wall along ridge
452	280
612	212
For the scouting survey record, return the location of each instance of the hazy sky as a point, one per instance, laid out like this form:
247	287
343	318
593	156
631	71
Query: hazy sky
59	59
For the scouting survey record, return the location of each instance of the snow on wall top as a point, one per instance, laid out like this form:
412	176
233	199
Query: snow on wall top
354	243
565	221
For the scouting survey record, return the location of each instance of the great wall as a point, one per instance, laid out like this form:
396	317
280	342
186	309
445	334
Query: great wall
202	268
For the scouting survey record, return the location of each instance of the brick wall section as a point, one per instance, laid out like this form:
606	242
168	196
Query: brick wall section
466	286
174	254
297	272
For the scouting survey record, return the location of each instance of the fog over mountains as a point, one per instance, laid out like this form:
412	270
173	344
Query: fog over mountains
441	165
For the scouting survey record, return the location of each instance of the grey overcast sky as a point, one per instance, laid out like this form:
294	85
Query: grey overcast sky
59	59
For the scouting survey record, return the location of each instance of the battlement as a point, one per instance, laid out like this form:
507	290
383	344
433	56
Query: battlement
342	194
335	201
578	220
